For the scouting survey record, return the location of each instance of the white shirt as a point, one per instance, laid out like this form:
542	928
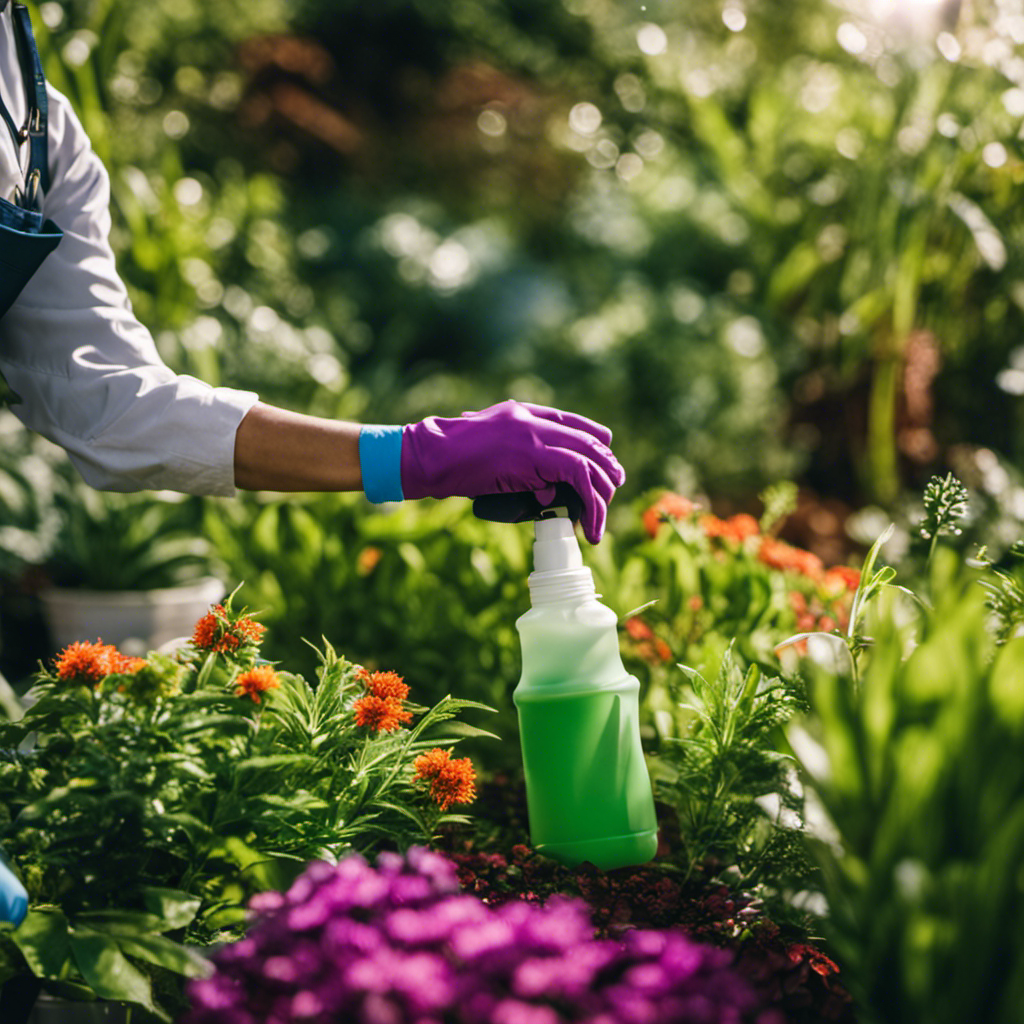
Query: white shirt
88	372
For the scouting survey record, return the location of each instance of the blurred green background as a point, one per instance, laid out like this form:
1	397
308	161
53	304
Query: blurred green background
757	239
760	241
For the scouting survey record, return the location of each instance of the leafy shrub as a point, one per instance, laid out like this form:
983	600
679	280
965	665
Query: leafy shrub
400	943
700	584
142	800
740	810
915	759
426	586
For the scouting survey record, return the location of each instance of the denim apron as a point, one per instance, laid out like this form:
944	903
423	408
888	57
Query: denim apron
25	238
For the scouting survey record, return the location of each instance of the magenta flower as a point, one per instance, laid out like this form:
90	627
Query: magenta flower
398	944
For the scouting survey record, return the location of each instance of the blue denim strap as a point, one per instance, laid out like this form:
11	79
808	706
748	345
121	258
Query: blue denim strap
380	459
35	86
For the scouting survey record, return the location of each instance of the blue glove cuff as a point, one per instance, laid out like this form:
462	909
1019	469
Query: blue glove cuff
13	898
380	459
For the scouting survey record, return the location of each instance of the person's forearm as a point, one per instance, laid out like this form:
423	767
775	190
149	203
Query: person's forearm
277	450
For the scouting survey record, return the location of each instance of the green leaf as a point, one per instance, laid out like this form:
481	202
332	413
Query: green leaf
406	812
175	907
121	922
464	730
99	959
167	954
637	611
272	761
43	940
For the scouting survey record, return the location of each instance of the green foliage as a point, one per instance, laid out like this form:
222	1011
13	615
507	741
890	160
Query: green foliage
125	542
778	500
142	803
945	503
78	537
1005	598
690	587
740	809
426	587
918	772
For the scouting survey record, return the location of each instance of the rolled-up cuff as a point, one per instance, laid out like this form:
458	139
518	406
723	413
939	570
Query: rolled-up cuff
380	459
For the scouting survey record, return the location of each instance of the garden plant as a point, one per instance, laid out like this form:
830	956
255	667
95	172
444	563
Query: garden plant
144	799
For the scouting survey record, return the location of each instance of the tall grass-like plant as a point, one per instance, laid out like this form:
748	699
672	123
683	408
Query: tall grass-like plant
917	765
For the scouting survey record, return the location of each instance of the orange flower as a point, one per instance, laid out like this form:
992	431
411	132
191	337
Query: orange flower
128	666
668	506
742	525
451	781
368	559
256	681
735	528
215	631
380	714
638	629
840	577
778	555
385	684
250	629
87	662
649	645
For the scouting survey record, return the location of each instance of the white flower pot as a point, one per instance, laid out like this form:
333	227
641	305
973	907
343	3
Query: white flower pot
136	621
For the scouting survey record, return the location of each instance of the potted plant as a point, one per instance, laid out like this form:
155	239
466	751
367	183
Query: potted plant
116	566
142	801
126	567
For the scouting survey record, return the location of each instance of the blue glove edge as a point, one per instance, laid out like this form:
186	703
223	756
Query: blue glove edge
13	898
380	461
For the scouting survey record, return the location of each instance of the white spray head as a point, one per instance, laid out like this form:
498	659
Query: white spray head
558	570
555	546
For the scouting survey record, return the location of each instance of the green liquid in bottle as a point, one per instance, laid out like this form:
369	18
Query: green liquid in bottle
587	786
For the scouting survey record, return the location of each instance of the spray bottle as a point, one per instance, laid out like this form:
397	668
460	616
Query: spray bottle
587	787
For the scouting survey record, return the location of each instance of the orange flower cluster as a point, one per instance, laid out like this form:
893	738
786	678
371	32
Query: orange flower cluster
380	714
668	506
368	559
216	631
675	506
811	617
86	662
649	645
452	781
736	528
381	709
256	681
777	554
385	685
839	578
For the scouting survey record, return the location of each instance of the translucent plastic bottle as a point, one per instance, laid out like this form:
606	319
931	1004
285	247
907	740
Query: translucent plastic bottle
587	787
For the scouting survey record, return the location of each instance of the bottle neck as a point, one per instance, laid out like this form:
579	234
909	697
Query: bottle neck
555	585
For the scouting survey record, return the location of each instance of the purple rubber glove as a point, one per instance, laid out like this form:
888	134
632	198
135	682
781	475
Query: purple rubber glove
514	446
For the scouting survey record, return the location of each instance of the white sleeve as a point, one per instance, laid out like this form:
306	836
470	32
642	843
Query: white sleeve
88	372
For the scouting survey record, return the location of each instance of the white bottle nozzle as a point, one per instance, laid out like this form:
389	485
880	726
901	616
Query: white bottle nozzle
555	546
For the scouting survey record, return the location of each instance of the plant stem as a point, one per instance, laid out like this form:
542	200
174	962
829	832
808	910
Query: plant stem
881	456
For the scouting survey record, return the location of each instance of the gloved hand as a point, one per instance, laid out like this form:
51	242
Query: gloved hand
513	446
13	898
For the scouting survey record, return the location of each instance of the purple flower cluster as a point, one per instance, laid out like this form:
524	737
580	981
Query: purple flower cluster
400	944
